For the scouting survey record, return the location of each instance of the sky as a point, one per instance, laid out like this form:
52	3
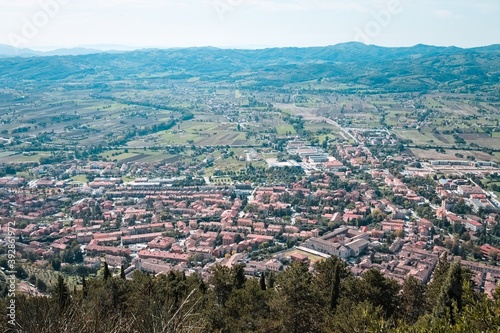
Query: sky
49	24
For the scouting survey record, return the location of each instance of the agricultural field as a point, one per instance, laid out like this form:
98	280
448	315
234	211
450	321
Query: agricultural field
416	137
453	155
19	157
146	116
138	155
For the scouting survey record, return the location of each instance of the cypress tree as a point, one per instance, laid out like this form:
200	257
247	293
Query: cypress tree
335	291
122	272
85	290
107	273
262	281
202	287
62	293
239	276
271	280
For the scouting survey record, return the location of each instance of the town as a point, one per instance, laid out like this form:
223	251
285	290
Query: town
231	166
340	201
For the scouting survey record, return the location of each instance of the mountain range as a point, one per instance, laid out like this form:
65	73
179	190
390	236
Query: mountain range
421	67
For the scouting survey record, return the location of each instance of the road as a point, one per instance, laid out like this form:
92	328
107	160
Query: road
306	113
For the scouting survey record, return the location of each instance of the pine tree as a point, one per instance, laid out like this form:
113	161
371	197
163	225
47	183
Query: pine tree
450	297
262	281
438	278
295	305
122	272
413	298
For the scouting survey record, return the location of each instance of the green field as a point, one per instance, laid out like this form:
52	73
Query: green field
80	178
417	138
136	155
10	157
282	130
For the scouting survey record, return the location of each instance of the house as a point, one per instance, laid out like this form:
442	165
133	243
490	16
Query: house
487	250
473	225
357	246
348	217
393	225
163	255
453	219
337	217
299	257
243	222
162	243
274	265
467	190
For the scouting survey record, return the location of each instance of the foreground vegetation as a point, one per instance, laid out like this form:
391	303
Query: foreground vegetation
296	300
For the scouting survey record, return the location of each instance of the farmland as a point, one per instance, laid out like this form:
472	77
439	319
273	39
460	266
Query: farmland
147	113
453	155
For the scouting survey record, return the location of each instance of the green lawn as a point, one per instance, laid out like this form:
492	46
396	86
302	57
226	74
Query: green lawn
20	158
80	178
283	129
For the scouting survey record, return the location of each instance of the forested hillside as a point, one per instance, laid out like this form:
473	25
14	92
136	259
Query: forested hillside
294	301
418	68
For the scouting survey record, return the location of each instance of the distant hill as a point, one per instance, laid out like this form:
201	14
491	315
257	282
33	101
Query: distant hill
10	51
416	68
7	51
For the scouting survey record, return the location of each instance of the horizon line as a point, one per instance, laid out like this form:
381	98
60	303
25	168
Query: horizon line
128	48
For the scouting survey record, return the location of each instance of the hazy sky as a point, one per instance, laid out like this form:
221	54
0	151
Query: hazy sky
247	23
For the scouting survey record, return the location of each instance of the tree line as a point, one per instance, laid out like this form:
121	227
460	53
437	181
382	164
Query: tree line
328	299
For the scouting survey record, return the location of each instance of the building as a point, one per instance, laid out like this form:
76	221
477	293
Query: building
472	225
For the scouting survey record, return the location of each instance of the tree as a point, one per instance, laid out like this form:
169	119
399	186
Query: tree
107	273
294	307
239	276
41	286
271	280
438	277
122	272
85	289
20	272
62	294
413	299
56	264
329	275
375	288
262	281
335	289
247	309
222	281
368	318
450	297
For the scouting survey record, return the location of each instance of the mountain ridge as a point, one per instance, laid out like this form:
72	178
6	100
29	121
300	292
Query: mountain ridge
417	68
11	51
